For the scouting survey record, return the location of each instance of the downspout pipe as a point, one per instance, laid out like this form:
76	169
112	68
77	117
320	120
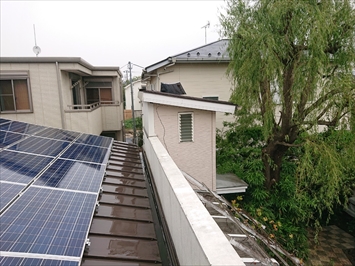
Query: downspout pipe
60	97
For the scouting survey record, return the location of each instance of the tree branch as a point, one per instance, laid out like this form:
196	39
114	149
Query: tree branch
287	144
320	101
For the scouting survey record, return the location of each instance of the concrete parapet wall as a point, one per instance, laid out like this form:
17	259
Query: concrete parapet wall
197	238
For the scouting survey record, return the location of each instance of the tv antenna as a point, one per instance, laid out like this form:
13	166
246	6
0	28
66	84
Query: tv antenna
36	48
206	26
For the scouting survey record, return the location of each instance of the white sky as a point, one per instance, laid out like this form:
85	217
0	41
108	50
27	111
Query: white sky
107	33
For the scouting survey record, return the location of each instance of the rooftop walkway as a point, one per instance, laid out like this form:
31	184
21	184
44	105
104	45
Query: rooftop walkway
122	230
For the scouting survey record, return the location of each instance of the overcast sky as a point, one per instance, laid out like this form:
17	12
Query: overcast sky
107	33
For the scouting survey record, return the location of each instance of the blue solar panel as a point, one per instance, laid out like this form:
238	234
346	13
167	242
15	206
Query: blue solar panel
8	191
8	138
40	146
100	141
20	127
16	261
3	120
59	134
52	215
47	221
20	167
86	153
73	175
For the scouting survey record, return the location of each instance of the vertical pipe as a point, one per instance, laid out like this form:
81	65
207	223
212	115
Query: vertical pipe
60	96
132	104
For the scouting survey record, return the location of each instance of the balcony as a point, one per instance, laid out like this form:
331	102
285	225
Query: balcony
95	117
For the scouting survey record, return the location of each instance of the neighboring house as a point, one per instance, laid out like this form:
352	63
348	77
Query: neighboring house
62	92
201	71
136	85
186	126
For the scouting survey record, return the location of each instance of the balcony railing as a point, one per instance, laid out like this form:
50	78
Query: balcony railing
89	107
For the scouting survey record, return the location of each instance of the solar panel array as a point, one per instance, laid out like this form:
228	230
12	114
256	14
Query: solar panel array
50	180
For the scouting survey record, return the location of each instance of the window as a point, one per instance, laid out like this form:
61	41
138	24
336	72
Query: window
214	98
15	92
186	127
98	92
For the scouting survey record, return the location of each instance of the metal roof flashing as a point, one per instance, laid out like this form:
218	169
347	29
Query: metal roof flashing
186	101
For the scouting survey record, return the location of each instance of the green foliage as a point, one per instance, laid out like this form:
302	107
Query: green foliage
317	177
291	64
129	123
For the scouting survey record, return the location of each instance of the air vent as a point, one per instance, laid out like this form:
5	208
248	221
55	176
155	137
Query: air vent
185	127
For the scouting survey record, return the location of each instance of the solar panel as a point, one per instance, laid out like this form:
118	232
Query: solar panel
59	134
18	261
40	146
100	141
86	153
3	120
20	167
8	138
47	221
73	175
20	127
8	191
50	179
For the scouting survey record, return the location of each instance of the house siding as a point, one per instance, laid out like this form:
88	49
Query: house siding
44	94
196	158
198	80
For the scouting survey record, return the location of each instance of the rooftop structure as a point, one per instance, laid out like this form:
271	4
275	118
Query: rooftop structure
69	198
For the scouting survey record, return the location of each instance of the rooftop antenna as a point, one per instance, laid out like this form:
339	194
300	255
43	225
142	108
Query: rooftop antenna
36	48
206	26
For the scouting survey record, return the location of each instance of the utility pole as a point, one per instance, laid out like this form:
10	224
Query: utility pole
132	100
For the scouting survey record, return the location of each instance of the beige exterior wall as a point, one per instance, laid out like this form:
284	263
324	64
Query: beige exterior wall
44	94
198	80
51	98
197	158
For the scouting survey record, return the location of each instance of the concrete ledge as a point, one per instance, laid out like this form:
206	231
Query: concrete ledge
197	238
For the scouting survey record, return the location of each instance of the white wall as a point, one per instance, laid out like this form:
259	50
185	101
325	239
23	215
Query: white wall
197	238
137	105
198	80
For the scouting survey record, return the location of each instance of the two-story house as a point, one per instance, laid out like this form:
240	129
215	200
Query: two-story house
62	92
201	71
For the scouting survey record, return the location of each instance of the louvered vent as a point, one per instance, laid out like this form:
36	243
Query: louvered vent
186	127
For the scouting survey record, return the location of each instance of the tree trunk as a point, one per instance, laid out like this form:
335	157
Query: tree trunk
272	156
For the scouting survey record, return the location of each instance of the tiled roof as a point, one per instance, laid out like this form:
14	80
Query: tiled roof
216	51
213	52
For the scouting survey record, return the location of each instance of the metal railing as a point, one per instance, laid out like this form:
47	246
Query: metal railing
89	107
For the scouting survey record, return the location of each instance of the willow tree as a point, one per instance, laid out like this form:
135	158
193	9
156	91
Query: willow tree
292	65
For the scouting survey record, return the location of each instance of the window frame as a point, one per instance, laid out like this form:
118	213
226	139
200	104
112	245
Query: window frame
181	140
94	84
13	76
